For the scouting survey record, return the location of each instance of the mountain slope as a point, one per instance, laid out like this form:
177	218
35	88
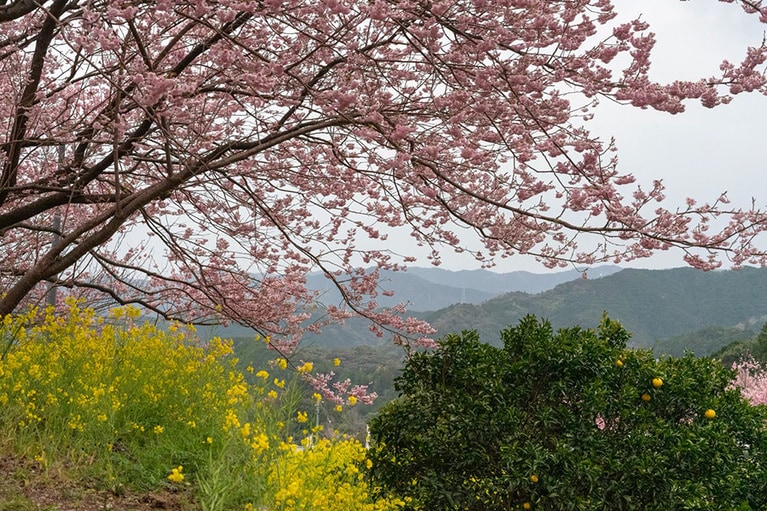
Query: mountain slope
498	283
428	289
421	294
653	304
704	342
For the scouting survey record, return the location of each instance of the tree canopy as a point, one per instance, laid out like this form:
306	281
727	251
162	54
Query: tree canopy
197	158
569	420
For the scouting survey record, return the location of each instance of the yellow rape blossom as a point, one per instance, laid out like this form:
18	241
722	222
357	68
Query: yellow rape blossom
176	475
231	421
260	443
326	476
115	377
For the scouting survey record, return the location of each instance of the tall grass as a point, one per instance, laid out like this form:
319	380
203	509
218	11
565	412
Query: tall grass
135	406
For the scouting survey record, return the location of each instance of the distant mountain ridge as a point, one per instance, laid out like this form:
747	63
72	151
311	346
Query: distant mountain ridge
668	309
422	289
428	289
499	283
652	304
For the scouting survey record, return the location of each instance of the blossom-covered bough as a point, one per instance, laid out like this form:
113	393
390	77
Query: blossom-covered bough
198	157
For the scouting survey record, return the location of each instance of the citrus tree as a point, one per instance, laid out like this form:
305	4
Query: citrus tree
568	420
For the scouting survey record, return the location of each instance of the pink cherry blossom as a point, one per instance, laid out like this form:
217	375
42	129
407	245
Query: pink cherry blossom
751	379
199	158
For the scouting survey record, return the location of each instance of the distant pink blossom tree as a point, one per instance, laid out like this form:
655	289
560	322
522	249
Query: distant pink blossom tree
752	380
199	157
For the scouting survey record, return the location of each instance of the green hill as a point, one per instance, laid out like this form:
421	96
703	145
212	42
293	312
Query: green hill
652	304
673	310
704	342
427	289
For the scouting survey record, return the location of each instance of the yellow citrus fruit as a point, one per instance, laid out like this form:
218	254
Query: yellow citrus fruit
534	478
619	363
710	414
657	382
646	397
526	505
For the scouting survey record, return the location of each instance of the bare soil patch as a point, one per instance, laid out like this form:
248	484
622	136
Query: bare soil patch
26	486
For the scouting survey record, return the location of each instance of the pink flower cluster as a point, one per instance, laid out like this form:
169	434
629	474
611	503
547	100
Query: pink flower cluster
199	158
751	380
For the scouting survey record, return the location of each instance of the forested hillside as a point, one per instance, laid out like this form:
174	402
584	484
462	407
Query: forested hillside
672	311
704	342
652	304
422	290
656	306
427	289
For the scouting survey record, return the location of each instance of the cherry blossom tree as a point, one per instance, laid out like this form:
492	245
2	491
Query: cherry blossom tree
199	157
751	378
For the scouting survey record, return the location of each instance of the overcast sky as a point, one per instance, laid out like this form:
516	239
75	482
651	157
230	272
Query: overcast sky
701	152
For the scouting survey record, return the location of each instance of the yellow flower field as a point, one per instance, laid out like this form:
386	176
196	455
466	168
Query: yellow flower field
137	407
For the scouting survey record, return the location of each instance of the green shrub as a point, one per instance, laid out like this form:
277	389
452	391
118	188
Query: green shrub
571	420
